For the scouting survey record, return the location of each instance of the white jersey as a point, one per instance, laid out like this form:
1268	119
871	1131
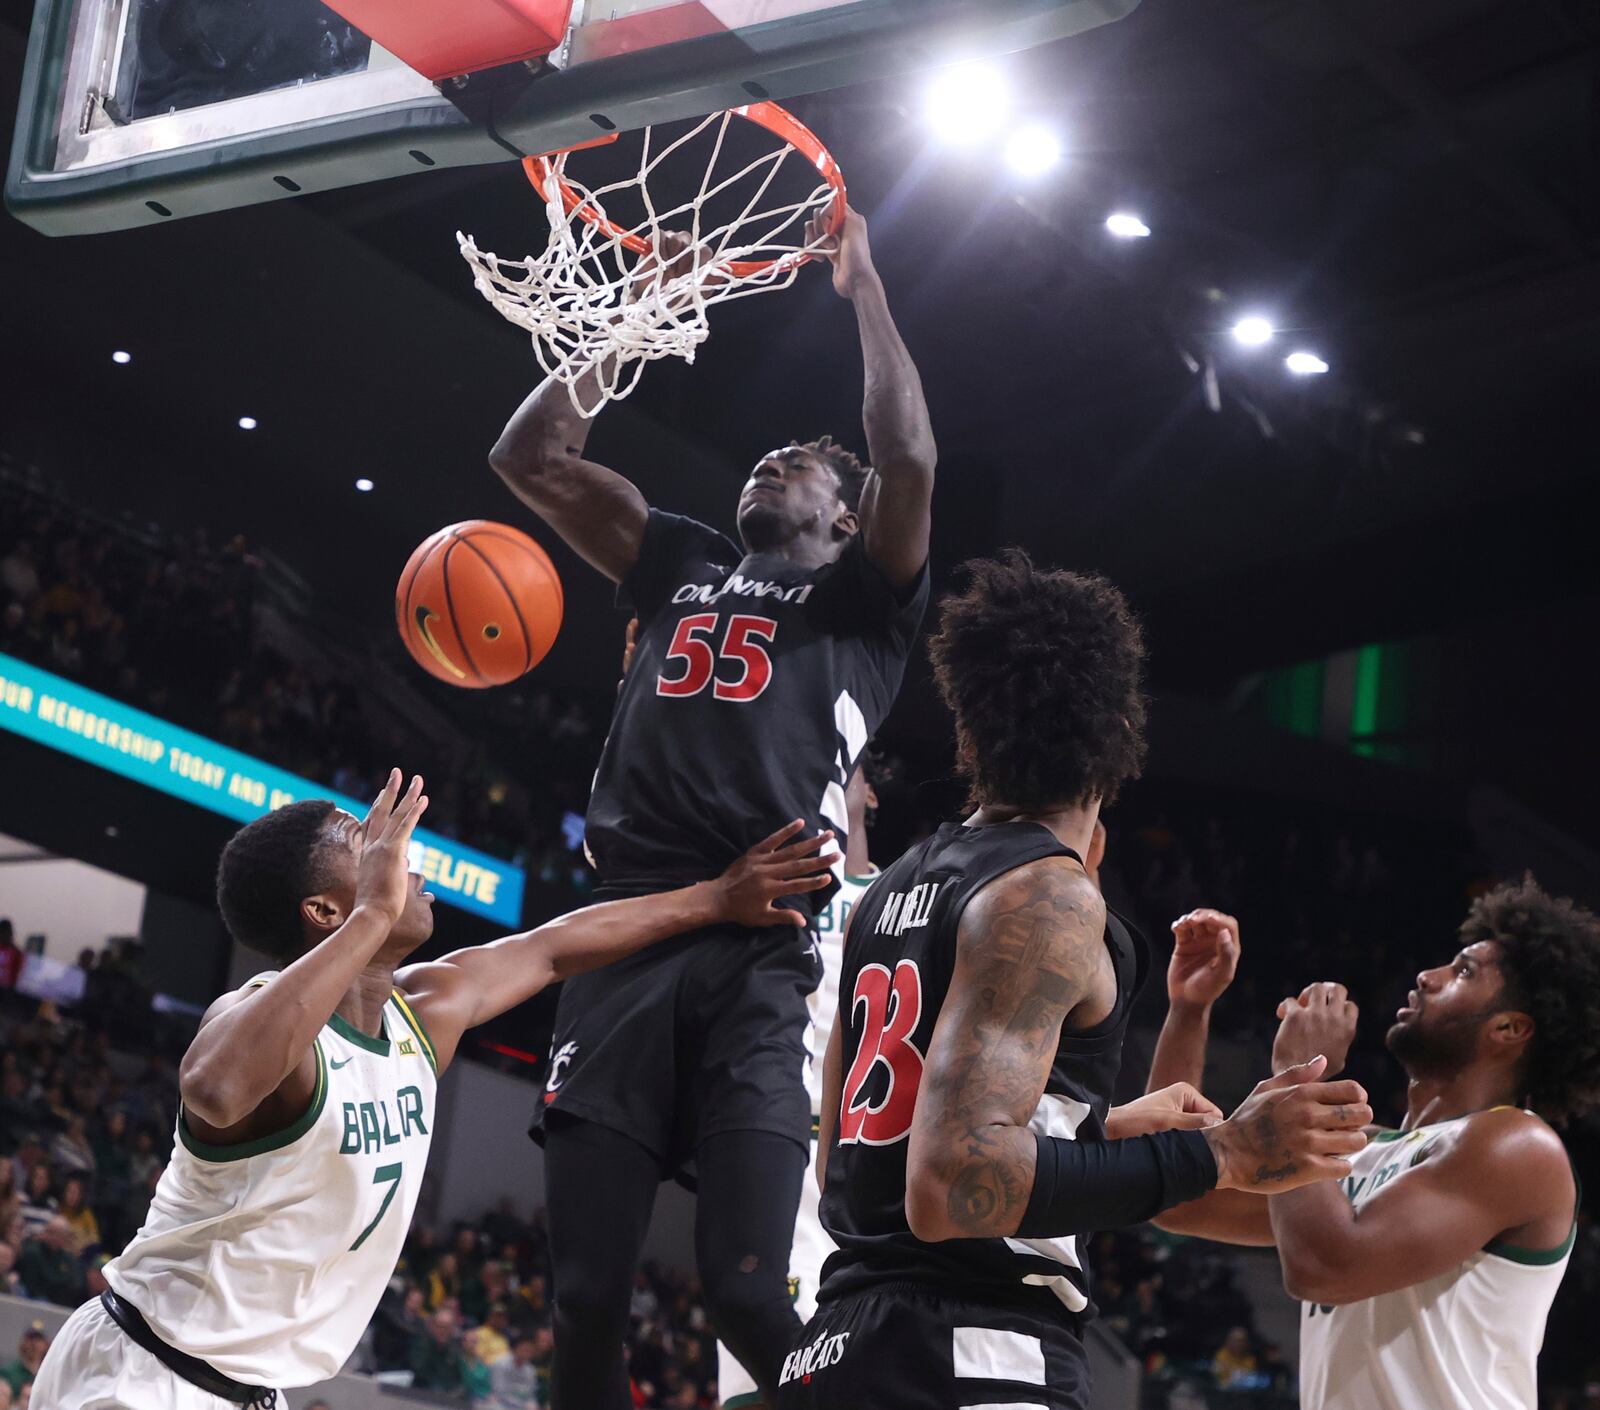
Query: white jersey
824	1002
1468	1339
267	1259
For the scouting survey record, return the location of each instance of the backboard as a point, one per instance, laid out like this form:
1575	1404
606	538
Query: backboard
135	112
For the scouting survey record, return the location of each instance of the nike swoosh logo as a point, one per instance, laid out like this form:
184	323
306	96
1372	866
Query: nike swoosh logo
425	621
337	1065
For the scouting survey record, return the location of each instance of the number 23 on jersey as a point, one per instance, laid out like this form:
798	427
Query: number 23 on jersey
893	1005
742	653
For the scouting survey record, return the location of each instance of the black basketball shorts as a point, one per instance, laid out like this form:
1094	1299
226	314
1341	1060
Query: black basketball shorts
689	1038
906	1347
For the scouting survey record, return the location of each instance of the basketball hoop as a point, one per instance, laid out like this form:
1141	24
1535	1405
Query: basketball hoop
606	297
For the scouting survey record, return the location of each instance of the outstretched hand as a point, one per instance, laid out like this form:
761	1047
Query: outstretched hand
849	252
383	873
1322	1020
1205	957
784	864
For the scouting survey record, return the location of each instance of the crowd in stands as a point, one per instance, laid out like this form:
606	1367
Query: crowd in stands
172	624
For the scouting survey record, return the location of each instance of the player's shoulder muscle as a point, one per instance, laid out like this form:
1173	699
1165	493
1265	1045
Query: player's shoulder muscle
1045	913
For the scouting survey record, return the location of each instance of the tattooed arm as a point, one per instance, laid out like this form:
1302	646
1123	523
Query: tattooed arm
1028	952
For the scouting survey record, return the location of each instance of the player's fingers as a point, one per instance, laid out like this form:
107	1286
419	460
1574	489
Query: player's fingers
795	886
1345	1092
1296	1076
805	846
1347	1116
407	801
807	866
384	802
1337	1142
1191	1120
1327	1167
409	821
778	838
793	918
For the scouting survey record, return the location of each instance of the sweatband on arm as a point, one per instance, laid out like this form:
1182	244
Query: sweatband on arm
1081	1187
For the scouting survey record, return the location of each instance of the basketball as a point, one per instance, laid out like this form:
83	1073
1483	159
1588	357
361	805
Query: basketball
479	604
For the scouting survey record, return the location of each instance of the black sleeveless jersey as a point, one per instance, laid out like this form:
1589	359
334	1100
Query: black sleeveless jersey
899	958
754	689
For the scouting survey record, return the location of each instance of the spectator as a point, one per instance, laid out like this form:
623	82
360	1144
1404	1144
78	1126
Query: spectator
436	1354
10	955
476	1381
84	1227
50	1271
11	1284
71	1151
401	1320
30	1352
38	1200
1234	1365
514	1379
494	1336
442	1282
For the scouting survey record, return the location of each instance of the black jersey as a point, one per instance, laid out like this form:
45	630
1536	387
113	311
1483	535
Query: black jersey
754	688
899	957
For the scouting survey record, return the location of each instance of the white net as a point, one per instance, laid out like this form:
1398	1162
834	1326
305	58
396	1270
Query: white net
594	303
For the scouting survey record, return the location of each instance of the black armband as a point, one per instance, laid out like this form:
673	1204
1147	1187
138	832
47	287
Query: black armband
1081	1187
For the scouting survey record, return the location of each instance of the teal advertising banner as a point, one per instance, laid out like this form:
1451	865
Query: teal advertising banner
74	720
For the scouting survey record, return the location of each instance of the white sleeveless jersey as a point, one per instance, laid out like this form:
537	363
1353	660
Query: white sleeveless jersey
267	1259
1468	1339
824	1001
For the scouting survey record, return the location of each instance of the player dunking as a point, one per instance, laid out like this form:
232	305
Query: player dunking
759	673
308	1105
811	1246
986	989
1425	1277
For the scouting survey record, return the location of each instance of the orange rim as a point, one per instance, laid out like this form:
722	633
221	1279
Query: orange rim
778	121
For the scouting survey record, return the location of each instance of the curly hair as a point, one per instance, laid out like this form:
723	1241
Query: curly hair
846	466
1550	957
1043	671
267	869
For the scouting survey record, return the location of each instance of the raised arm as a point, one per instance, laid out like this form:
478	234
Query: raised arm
599	514
1029	947
252	1066
897	504
1506	1176
1205	956
472	986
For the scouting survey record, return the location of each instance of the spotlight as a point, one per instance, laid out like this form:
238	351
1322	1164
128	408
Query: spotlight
364	485
1305	364
1126	226
1033	150
967	103
1253	331
122	359
247	423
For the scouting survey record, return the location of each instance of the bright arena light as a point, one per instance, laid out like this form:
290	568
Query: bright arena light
1305	364
247	423
364	485
121	358
1126	226
1253	331
1033	150
968	103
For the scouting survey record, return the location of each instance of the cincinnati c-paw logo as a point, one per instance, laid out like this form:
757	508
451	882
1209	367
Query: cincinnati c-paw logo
558	1065
824	1352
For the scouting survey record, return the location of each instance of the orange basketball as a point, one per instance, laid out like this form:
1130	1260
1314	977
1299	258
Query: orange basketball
479	604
